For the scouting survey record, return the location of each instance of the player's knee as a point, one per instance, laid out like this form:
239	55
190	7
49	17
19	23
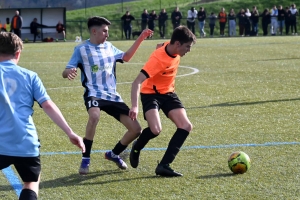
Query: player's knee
94	119
187	126
136	129
156	130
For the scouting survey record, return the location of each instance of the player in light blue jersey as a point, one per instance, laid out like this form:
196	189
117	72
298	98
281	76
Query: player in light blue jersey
97	59
19	143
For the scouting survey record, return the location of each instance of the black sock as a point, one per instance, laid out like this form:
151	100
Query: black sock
119	148
144	139
88	146
27	194
174	146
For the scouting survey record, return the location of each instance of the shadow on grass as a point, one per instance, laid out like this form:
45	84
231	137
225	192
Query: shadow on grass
216	175
76	179
5	188
238	103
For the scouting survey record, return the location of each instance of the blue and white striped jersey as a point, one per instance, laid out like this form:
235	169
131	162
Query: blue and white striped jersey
19	88
98	65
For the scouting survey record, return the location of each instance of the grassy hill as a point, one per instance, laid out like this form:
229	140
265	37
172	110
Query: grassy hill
76	19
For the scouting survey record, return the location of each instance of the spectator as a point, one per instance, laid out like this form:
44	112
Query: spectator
247	22
274	23
151	21
60	28
242	22
287	21
16	23
145	19
176	17
34	28
127	27
212	23
294	13
222	21
201	18
281	14
254	20
162	18
266	20
232	23
191	16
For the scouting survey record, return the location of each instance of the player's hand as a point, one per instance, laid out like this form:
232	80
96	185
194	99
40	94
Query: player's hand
146	33
133	112
78	141
72	73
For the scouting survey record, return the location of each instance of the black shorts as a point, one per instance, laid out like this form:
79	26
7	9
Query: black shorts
29	168
166	102
112	108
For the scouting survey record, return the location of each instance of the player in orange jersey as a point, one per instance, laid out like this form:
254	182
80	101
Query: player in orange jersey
156	84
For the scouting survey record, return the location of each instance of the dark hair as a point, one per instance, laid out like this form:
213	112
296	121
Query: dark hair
10	43
183	35
97	21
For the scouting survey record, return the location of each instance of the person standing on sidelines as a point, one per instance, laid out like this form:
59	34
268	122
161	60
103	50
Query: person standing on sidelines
162	18
155	83
97	59
16	23
274	22
19	143
176	16
201	18
192	15
127	27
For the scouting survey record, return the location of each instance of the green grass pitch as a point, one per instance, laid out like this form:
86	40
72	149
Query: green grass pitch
241	94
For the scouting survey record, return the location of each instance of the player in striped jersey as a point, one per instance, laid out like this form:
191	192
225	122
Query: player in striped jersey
97	59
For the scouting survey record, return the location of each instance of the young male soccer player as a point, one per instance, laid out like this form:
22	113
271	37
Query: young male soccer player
156	83
96	59
19	143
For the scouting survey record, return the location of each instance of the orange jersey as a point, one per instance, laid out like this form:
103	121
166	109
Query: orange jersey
161	70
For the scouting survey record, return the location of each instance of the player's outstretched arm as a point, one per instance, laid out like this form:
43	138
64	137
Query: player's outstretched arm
131	51
55	114
135	91
70	73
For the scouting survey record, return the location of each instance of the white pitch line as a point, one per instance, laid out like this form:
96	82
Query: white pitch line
195	71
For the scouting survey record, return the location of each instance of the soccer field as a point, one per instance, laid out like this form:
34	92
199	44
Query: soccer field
241	94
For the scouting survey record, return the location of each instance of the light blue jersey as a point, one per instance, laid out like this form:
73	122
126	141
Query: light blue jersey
98	65
19	88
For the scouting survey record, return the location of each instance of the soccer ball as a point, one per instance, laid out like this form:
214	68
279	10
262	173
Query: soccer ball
239	162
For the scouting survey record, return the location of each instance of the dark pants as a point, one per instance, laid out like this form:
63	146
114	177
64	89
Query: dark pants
293	26
175	25
17	32
144	25
287	27
191	26
127	31
265	28
162	29
151	26
241	29
222	28
247	29
212	28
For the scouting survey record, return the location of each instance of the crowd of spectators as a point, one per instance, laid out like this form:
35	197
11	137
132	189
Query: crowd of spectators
274	21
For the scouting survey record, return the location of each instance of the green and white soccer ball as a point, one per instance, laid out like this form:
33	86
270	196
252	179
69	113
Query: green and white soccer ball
239	162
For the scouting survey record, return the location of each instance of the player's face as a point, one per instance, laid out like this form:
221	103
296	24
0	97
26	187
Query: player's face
184	48
101	34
